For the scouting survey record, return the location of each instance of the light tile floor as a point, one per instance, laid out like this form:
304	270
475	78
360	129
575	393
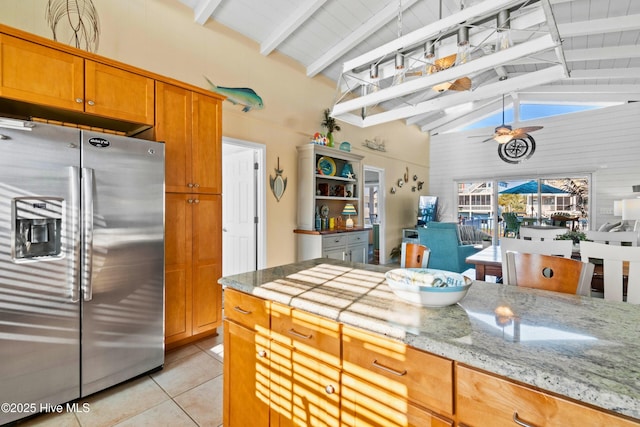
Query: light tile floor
186	392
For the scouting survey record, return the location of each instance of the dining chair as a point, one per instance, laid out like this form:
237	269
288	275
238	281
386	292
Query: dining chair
615	260
414	255
562	248
550	273
541	233
618	238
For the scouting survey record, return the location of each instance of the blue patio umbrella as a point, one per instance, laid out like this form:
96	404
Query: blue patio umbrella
531	187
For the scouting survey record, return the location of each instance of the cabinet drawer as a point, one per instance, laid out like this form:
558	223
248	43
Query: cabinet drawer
306	332
247	310
366	405
483	399
357	238
334	240
420	377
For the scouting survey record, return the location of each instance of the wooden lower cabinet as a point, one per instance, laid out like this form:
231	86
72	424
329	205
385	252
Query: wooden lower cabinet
193	265
283	367
486	400
247	396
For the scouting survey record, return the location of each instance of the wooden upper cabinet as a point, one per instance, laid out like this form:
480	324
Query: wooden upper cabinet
34	73
116	93
207	144
190	123
38	74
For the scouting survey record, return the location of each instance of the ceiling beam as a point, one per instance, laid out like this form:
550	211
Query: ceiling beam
449	45
372	25
204	9
513	84
292	23
490	61
469	14
555	34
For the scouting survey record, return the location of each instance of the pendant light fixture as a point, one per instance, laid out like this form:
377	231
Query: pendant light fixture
399	59
503	30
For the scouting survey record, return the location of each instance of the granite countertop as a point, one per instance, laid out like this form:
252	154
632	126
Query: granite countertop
585	348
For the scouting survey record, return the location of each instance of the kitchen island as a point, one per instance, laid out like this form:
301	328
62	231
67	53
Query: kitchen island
565	346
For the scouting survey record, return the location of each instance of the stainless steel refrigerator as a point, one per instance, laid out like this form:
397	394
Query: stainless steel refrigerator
81	263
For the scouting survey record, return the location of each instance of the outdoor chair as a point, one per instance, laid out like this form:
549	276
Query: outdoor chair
511	224
550	273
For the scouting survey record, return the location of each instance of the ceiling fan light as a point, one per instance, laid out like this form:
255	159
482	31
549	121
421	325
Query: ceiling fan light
503	138
442	86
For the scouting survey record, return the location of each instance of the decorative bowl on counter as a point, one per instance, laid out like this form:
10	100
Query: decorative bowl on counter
428	287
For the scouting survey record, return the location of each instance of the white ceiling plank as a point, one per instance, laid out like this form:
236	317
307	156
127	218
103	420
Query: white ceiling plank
479	111
430	31
357	36
204	9
292	23
605	73
600	26
451	74
613	52
514	84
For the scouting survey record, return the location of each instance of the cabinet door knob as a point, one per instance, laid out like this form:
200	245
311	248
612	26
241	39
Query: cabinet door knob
91	103
329	389
196	201
190	185
190	201
196	185
79	100
262	353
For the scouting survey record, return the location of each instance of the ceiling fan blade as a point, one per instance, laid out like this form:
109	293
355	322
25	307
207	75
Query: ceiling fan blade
463	83
487	140
528	129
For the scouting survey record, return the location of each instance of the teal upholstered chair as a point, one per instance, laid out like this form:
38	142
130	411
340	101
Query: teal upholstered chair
447	253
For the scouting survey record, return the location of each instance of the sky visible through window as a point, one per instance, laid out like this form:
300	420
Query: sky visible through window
530	112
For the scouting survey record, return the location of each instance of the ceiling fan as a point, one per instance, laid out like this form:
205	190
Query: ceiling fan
505	133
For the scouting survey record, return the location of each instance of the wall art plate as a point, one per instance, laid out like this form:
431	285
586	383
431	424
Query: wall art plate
326	166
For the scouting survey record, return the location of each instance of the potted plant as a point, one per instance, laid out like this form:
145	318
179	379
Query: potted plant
576	236
331	125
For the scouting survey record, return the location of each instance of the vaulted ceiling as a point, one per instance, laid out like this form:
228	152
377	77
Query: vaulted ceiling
562	52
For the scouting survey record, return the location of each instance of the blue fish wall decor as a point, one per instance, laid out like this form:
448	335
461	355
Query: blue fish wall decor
244	96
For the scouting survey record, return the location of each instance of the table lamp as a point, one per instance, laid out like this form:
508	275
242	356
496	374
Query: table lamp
631	211
349	210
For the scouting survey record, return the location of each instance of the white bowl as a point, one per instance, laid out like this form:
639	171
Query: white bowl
428	287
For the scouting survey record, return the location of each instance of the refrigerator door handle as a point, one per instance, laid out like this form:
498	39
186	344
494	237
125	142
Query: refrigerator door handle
87	232
74	186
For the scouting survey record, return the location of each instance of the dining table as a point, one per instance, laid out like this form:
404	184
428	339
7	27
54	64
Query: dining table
487	262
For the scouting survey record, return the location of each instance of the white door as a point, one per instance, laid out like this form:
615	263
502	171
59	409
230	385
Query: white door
239	228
